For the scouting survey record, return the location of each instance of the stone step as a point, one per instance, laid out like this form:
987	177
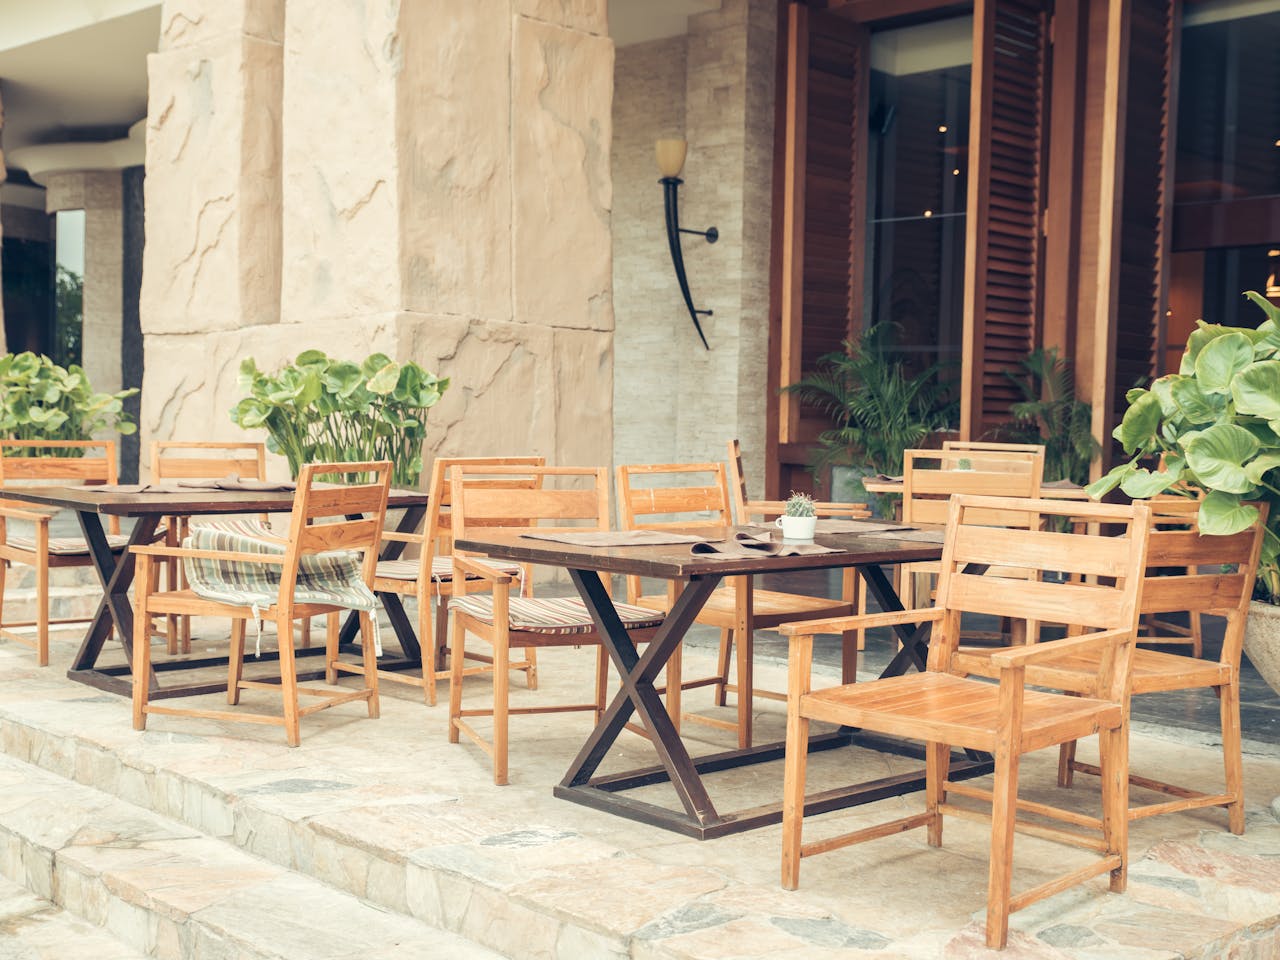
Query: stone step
172	892
64	601
32	927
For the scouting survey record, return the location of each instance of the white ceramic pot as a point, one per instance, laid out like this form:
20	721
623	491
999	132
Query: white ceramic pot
1262	641
797	528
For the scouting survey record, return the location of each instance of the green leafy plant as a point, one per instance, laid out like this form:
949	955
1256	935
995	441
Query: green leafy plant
318	409
40	400
799	505
877	410
1049	413
1217	424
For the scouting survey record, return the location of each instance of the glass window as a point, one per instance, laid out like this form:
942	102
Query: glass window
68	287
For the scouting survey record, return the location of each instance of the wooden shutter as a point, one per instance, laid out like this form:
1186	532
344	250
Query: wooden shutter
1003	239
1144	207
824	190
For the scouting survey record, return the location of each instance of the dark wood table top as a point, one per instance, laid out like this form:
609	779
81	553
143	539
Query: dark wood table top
675	562
129	503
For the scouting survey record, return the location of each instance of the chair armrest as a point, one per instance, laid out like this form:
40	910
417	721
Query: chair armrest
17	513
265	558
468	566
1053	649
403	537
860	622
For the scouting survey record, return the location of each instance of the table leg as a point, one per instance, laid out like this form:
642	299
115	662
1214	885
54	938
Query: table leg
915	640
391	550
638	693
116	577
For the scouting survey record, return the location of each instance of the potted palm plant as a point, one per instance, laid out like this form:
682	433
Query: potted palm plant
877	411
1216	422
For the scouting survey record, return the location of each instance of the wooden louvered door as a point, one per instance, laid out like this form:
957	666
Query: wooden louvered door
1145	210
1004	247
823	214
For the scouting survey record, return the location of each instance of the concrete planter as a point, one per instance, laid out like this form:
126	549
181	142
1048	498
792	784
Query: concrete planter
1262	641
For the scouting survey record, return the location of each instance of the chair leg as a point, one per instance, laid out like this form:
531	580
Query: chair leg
235	662
141	666
1066	763
1113	761
722	665
675	671
440	640
1004	804
429	639
501	705
746	688
42	612
331	629
4	573
1229	707
937	766
305	633
531	668
184	622
797	758
370	659
457	650
602	680
288	680
1197	639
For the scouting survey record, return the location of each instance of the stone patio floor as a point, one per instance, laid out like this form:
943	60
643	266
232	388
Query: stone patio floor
205	840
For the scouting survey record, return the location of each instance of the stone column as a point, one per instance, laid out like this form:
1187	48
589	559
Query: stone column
211	273
98	194
675	400
4	348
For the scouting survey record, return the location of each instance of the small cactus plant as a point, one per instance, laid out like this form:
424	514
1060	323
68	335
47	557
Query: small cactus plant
799	505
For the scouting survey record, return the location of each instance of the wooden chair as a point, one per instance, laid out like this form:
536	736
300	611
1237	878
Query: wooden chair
930	477
431	576
40	550
1175	541
946	709
480	501
291	557
197	460
738	608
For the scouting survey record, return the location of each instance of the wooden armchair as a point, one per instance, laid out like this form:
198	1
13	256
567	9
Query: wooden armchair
946	709
483	498
32	462
197	460
1175	541
431	576
738	608
280	579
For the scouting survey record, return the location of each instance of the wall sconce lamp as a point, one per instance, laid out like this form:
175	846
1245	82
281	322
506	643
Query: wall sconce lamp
670	154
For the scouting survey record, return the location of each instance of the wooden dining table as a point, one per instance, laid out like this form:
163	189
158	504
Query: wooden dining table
115	570
697	576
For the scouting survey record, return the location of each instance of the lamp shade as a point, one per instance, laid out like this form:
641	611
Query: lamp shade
670	154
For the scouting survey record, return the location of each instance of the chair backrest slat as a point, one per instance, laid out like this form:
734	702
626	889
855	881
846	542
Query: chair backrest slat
930	476
208	460
746	510
1035	549
85	469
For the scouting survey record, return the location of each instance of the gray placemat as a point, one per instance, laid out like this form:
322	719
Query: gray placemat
832	525
745	546
616	538
923	536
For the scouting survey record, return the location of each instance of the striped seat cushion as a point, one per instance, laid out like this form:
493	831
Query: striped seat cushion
554	615
332	578
68	546
441	568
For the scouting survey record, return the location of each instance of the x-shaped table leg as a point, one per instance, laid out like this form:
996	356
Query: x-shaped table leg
638	693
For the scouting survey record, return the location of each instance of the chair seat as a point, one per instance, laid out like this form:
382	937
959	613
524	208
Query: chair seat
68	546
441	568
943	708
1152	671
555	616
769	608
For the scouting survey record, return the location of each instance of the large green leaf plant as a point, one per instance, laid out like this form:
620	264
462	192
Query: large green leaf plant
40	400
1217	424
319	409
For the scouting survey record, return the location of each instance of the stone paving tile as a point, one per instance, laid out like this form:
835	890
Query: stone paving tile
389	811
34	929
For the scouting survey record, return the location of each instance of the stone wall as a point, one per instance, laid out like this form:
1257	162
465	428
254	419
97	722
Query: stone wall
675	401
429	179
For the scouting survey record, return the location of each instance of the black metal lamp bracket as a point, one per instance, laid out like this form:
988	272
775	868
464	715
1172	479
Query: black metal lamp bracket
669	188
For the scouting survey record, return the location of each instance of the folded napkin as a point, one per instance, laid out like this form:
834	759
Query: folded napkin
616	538
137	488
239	483
745	546
825	525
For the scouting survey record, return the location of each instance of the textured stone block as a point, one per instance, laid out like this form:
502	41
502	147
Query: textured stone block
189	22
561	186
590	16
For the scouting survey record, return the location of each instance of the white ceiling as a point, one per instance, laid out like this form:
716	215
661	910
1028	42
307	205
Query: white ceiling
76	71
635	21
